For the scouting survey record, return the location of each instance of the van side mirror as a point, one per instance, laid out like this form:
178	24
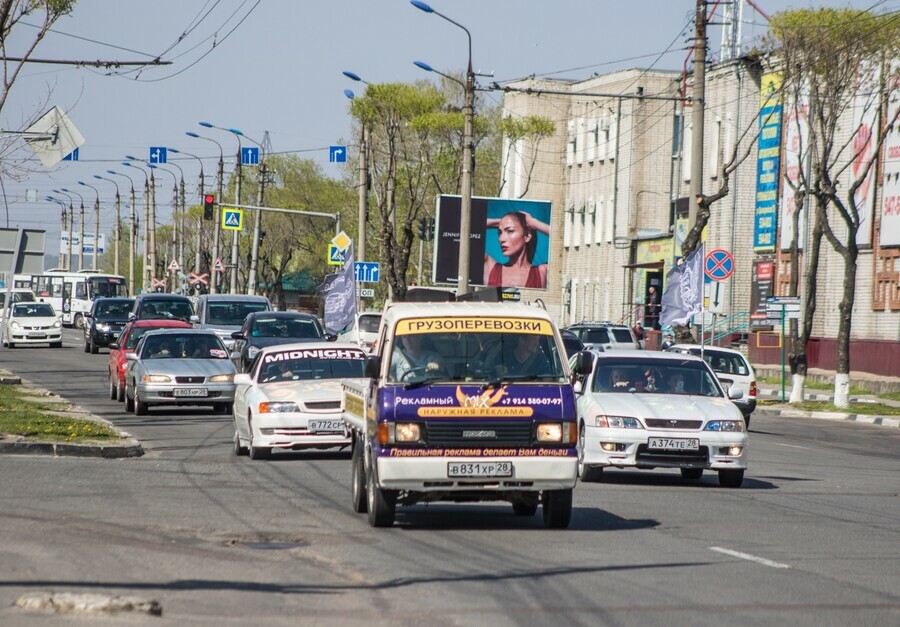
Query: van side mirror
372	367
584	364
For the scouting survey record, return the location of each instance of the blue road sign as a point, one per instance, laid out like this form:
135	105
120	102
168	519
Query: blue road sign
367	271
158	154
335	255
232	219
72	156
337	154
249	155
719	264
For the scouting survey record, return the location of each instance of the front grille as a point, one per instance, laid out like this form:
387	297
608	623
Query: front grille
190	379
646	456
322	405
662	423
477	433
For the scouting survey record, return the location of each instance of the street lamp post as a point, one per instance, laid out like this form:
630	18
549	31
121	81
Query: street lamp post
71	227
146	284
199	218
153	167
465	221
131	239
118	232
363	180
80	230
257	217
96	255
61	261
237	201
213	275
179	201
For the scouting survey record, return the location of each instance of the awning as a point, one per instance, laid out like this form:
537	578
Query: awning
650	265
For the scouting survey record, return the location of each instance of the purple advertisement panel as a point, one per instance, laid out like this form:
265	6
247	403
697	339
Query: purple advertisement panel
537	402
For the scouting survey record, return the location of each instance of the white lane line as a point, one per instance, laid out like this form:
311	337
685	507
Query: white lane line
805	448
752	558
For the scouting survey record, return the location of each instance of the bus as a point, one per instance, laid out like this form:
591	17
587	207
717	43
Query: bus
73	293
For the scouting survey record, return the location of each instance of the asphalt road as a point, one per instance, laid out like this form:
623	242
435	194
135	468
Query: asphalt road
812	538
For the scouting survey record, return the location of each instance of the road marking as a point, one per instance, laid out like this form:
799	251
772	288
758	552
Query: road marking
805	448
752	558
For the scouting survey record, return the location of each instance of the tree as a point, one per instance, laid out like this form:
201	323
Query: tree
842	58
531	130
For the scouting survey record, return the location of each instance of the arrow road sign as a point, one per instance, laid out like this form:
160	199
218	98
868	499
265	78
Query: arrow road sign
367	271
158	154
72	156
249	155
233	219
719	264
218	266
337	154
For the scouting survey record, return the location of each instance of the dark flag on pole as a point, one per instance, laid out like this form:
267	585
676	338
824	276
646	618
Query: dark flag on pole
339	291
683	297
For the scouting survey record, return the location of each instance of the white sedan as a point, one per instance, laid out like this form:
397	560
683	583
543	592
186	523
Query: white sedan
32	323
291	398
643	409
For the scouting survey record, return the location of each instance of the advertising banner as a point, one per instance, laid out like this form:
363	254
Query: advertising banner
865	123
796	149
509	245
762	283
890	196
767	164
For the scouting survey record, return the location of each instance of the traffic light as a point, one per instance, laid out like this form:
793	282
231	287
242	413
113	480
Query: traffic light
209	206
429	229
420	231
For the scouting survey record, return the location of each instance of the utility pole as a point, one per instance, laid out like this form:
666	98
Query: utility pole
118	232
257	227
152	229
81	240
213	274
698	104
62	223
181	215
71	234
199	226
363	192
145	243
234	234
132	244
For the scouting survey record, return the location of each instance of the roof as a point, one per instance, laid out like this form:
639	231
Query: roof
400	311
155	296
232	298
180	331
696	347
656	355
178	324
282	314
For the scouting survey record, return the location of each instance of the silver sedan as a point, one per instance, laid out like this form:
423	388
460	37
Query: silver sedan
179	367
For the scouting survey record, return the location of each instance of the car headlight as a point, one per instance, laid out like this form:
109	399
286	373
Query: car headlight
253	351
725	425
278	407
57	324
617	422
156	378
14	324
221	378
102	327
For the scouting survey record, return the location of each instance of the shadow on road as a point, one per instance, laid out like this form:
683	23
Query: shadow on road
657	478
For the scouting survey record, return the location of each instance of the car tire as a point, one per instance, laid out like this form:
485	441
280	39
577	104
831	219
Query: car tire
10	345
94	348
731	478
120	392
257	452
557	508
586	472
381	504
691	474
140	407
236	448
87	346
113	391
525	508
56	344
129	402
358	496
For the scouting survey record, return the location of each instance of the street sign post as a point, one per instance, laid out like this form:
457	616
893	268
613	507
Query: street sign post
781	308
233	219
335	256
367	271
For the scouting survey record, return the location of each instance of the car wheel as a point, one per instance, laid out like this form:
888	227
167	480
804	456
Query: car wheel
140	407
525	508
691	474
586	472
257	452
113	392
381	504
358	495
129	401
120	392
237	449
94	348
557	508
732	478
87	346
10	345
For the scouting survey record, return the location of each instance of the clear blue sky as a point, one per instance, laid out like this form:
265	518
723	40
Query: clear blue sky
276	66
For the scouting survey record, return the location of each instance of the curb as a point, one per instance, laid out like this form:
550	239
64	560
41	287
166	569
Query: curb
129	447
884	421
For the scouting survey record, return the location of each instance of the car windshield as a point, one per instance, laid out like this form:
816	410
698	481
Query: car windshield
656	376
298	328
33	310
162	309
231	314
369	324
113	308
724	363
183	346
595	336
482	357
312	364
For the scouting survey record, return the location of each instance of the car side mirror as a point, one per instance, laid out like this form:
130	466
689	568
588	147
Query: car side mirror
237	335
194	319
330	337
372	367
131	315
114	346
243	379
131	356
735	393
584	364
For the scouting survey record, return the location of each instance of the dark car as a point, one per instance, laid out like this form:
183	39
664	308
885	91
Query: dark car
571	343
105	322
268	328
162	307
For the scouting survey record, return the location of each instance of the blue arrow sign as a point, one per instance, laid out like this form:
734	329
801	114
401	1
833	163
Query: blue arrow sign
367	271
337	154
72	156
158	154
249	155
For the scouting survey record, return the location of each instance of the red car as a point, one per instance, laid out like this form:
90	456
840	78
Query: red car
126	343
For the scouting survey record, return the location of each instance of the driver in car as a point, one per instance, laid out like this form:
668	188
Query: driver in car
409	356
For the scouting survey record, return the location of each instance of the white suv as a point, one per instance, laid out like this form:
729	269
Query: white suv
605	335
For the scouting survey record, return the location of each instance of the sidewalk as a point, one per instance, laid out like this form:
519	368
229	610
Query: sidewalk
18	445
769	391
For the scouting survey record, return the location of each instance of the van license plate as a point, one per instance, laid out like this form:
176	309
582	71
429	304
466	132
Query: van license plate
675	444
191	392
462	470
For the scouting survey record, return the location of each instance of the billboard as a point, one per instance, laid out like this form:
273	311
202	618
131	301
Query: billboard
509	242
890	181
767	164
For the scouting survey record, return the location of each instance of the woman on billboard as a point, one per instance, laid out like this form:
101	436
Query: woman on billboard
517	234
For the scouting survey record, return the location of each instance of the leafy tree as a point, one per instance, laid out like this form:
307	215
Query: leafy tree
530	130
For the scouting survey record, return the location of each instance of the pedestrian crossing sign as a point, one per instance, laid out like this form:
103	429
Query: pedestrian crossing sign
233	219
335	255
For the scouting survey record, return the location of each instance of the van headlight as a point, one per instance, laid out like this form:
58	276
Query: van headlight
563	432
394	432
102	327
14	324
725	425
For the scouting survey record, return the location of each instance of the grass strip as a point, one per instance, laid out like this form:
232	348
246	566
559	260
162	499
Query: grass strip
30	420
869	409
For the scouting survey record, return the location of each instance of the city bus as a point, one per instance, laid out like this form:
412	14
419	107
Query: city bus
73	293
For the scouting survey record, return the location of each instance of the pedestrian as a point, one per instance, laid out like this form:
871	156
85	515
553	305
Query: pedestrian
651	309
639	334
669	342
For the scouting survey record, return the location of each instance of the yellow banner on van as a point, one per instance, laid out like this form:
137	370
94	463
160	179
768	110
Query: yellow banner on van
471	324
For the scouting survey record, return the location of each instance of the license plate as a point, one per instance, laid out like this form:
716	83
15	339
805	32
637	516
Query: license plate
36	334
325	426
192	392
675	444
457	470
